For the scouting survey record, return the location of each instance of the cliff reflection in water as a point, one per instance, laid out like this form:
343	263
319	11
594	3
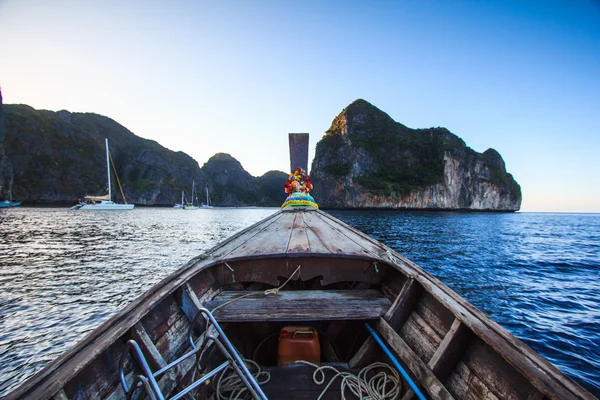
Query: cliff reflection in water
63	272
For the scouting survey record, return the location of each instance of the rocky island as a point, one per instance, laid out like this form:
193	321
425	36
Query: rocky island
51	157
368	160
365	160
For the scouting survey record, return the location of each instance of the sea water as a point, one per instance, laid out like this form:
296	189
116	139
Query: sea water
63	272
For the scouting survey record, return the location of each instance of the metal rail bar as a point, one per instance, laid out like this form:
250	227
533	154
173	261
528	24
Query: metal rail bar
391	356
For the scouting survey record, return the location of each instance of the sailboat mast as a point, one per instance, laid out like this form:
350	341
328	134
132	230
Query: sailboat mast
108	170
193	185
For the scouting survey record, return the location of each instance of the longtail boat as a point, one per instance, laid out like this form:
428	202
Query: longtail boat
300	306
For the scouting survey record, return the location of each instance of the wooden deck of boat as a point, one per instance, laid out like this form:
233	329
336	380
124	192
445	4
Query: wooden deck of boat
447	344
296	233
300	305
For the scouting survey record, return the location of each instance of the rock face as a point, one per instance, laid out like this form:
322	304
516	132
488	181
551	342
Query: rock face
6	174
58	157
367	160
232	185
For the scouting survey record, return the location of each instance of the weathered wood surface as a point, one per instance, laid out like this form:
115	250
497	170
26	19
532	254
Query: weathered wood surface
275	271
300	233
544	376
295	382
450	350
492	375
425	377
300	305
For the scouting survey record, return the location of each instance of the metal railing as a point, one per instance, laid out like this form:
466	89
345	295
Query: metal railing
149	380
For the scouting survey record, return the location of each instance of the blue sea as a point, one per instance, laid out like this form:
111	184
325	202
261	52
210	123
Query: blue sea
64	272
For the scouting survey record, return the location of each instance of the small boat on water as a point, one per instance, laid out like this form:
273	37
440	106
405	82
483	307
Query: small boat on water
300	306
193	205
8	203
207	204
104	202
180	205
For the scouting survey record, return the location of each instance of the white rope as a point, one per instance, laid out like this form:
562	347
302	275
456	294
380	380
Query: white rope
380	386
229	385
266	292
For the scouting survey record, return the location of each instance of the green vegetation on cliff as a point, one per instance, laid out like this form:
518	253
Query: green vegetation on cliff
58	157
390	161
408	159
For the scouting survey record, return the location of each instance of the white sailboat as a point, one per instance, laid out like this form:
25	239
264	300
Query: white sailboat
207	205
192	206
180	206
103	202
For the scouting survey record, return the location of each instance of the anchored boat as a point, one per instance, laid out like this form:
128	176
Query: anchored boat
193	205
104	202
297	306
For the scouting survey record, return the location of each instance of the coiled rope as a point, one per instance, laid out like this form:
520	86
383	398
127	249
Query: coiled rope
229	385
380	385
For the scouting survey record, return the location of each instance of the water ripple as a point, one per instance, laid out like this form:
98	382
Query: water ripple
63	272
537	275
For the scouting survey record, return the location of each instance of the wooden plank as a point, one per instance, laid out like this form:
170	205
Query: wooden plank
365	355
223	249
174	342
97	378
396	315
317	246
272	240
298	143
424	376
450	350
465	385
438	317
169	380
300	305
498	376
190	304
60	396
404	304
339	240
420	337
155	359
543	375
274	271
162	317
299	242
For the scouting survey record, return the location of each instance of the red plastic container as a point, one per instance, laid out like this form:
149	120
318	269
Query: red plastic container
298	343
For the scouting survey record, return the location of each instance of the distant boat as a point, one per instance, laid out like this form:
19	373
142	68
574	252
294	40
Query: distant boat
7	204
104	202
207	205
192	206
180	206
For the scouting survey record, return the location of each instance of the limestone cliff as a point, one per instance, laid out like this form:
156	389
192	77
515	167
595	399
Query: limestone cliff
58	157
367	160
232	185
6	173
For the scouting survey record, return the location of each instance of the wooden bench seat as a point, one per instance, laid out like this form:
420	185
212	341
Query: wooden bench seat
300	305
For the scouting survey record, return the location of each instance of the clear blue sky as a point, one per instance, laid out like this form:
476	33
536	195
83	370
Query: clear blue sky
204	77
